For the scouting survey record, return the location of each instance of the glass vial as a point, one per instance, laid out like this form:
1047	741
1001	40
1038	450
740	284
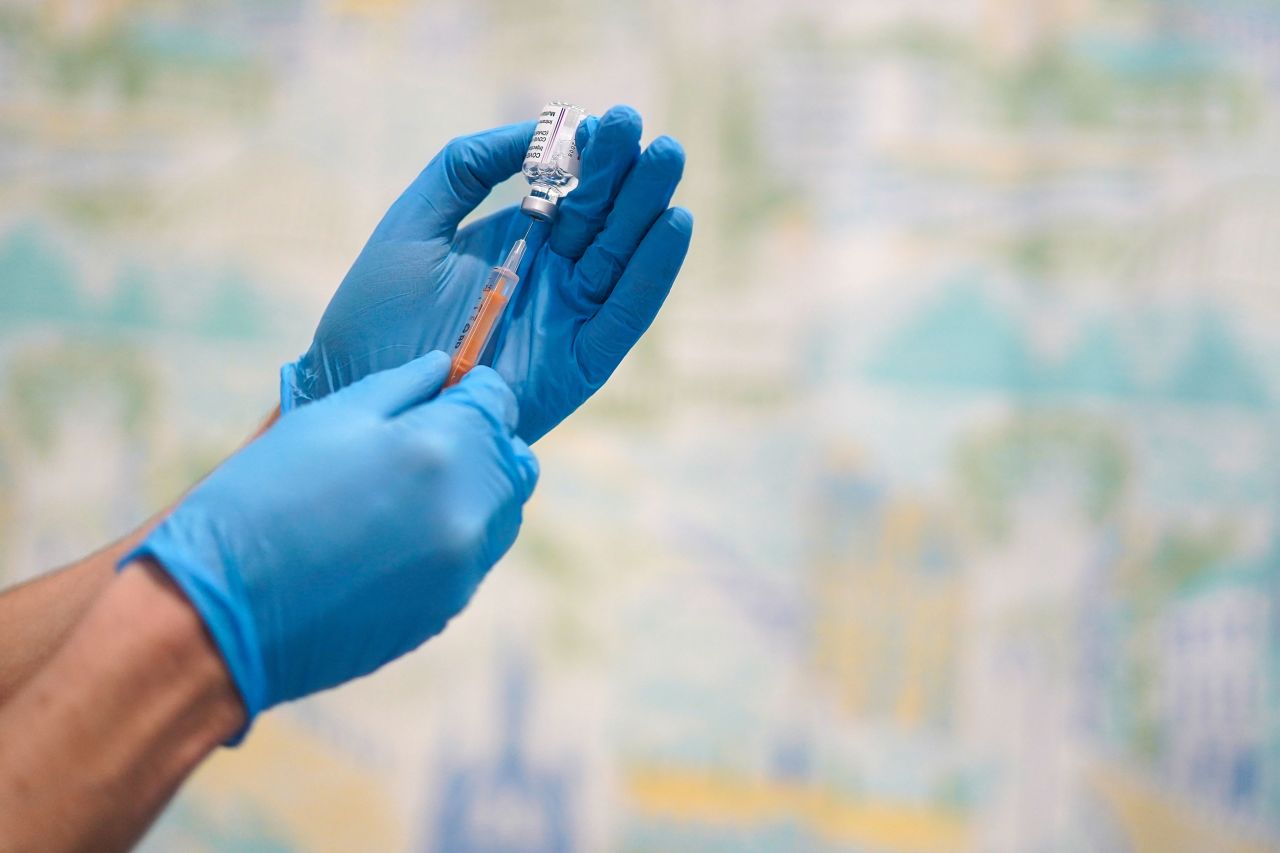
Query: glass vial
552	163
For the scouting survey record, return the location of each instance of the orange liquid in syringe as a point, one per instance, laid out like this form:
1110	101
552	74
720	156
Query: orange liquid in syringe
493	300
476	337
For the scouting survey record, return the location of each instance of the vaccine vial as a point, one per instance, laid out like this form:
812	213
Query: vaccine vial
552	162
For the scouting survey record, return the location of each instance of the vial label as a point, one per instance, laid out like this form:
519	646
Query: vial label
553	153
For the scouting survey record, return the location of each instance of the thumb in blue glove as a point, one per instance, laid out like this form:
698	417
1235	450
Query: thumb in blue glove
352	531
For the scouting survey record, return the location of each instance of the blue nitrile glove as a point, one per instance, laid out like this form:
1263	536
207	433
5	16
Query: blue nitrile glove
588	289
352	530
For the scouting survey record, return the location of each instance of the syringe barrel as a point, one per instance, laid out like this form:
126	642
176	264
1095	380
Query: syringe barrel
475	337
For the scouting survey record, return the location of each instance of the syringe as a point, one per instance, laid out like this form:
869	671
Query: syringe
551	164
497	291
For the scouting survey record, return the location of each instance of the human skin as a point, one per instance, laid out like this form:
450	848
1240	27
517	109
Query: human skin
90	768
144	687
152	699
37	617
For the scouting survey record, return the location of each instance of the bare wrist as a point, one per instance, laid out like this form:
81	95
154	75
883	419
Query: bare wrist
182	645
129	706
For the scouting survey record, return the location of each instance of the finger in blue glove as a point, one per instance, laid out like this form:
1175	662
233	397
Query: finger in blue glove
590	286
352	531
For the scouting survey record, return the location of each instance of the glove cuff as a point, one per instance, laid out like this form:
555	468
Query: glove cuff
291	395
205	587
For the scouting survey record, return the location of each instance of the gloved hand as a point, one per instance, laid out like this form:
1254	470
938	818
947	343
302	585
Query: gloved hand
588	289
352	531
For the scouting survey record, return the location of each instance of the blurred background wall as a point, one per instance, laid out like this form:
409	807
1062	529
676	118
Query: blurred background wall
938	511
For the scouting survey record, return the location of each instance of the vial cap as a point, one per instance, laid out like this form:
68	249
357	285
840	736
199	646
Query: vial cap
539	208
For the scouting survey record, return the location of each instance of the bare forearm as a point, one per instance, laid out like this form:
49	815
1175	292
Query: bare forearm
36	617
100	738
